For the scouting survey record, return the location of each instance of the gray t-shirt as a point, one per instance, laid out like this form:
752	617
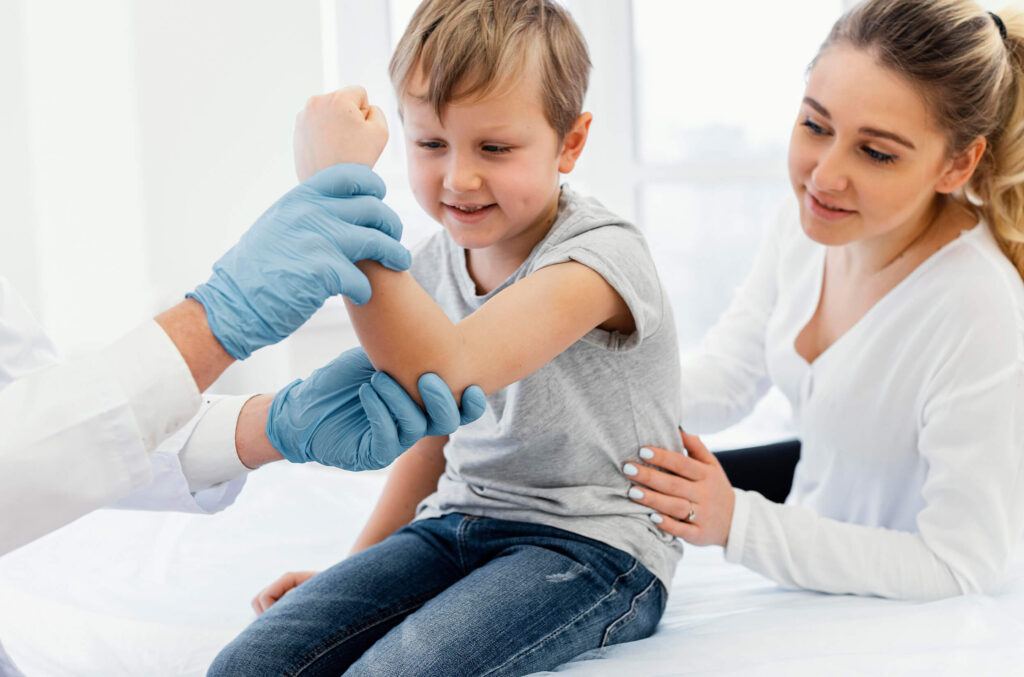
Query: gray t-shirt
550	447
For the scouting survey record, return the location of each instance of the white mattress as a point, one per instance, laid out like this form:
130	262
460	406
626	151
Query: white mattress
131	593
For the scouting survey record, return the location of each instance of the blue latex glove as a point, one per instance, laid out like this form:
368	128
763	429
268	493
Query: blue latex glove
298	254
351	416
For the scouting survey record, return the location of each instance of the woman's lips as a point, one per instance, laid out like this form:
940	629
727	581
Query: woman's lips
824	211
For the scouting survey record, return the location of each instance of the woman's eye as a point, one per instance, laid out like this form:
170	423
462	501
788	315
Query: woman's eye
495	149
813	126
878	156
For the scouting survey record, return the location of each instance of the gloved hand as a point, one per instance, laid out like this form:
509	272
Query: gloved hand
349	415
298	253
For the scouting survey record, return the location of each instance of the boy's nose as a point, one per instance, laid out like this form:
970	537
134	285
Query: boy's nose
462	176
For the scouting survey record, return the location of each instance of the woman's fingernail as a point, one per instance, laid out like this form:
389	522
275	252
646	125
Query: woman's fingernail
635	493
646	454
657	519
630	469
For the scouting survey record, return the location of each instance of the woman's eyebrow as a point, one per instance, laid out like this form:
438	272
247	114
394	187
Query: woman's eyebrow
870	131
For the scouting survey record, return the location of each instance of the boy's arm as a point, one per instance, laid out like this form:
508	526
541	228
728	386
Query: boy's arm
412	478
405	333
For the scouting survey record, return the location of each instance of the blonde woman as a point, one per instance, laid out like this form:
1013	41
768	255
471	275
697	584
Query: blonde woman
887	305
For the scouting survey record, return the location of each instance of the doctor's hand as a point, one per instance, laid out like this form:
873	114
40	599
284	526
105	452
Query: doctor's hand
298	254
269	595
690	495
340	126
351	416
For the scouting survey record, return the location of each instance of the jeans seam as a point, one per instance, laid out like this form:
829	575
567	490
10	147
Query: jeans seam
464	524
629	615
310	658
567	624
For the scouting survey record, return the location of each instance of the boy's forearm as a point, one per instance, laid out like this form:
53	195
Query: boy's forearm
522	328
412	478
405	333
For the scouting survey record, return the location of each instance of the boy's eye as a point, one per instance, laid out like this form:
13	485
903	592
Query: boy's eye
813	126
878	156
430	145
495	149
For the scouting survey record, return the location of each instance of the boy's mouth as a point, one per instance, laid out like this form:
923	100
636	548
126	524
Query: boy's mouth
468	213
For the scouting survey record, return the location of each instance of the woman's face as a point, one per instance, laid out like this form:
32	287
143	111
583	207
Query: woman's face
865	158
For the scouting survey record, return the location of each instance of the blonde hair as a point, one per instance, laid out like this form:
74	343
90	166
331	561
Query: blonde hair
468	48
972	79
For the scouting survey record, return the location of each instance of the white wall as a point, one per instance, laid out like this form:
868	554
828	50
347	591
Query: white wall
139	140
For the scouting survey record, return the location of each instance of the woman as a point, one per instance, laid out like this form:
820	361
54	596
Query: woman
884	304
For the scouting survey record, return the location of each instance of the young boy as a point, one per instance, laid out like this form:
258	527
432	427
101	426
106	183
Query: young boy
516	546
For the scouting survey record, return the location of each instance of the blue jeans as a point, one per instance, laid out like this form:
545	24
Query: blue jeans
456	595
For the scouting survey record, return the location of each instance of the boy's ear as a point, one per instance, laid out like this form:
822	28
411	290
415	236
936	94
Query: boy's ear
962	167
573	143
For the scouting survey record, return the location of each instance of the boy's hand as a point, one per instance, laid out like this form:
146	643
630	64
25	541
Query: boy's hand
269	595
338	127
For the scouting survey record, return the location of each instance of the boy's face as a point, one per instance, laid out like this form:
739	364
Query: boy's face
489	172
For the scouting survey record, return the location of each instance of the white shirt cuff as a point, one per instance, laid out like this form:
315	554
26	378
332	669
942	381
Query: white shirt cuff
209	456
156	382
738	527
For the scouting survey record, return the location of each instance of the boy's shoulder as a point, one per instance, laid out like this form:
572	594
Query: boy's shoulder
583	222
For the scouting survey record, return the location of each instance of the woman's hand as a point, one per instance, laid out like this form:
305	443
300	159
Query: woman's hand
279	588
691	496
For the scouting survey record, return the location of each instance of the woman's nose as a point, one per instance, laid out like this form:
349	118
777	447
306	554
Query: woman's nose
829	173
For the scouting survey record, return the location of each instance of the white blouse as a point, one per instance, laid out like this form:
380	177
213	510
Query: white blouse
910	479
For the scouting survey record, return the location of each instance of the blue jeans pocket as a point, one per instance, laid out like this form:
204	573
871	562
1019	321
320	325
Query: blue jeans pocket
642	617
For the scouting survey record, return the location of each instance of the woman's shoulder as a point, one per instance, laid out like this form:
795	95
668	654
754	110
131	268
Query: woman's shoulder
977	291
974	265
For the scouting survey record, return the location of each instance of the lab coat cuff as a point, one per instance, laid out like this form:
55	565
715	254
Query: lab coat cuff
209	456
738	528
156	382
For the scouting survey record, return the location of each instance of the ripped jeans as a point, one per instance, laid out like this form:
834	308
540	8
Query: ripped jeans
456	595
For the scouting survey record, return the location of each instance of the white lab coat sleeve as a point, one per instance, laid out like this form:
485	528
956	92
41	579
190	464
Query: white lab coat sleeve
78	435
197	469
728	374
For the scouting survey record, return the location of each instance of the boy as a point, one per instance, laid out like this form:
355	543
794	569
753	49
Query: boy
525	550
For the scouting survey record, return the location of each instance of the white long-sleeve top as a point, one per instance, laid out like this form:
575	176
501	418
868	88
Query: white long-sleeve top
82	434
910	481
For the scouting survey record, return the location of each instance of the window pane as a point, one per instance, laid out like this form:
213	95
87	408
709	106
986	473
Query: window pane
704	238
716	85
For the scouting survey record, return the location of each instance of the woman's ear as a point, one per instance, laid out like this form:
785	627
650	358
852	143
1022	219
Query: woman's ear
573	143
962	167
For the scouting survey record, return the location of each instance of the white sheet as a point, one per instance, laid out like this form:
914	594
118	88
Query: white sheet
128	593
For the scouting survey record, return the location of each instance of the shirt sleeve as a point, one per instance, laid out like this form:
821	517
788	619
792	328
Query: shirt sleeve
619	254
971	432
78	435
728	374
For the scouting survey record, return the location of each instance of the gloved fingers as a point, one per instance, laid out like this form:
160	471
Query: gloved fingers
347	179
379	445
412	424
440	405
351	368
363	210
349	280
366	244
474	403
